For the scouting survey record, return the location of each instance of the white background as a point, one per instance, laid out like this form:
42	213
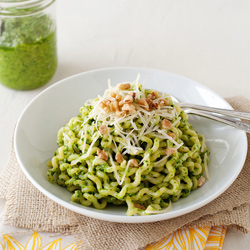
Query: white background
208	41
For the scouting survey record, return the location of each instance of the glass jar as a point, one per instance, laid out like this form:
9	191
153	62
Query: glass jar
28	54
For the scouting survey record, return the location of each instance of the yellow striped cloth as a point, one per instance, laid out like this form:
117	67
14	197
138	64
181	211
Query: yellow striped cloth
201	238
206	238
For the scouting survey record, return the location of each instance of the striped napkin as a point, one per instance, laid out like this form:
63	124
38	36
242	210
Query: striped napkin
200	238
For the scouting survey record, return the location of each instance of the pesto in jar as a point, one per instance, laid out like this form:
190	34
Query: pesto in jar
28	54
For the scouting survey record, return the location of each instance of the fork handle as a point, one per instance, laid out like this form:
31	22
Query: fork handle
235	123
228	112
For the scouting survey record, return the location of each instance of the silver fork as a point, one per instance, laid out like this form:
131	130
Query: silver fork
226	120
220	115
228	112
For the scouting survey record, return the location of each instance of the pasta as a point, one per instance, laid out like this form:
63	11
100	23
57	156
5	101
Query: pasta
131	146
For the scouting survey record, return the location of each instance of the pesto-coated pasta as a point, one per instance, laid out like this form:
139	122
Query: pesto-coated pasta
130	146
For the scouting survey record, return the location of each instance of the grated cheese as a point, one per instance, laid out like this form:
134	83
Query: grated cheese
117	177
66	136
124	174
130	139
93	142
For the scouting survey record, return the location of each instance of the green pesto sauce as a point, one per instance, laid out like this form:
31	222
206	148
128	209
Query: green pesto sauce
28	55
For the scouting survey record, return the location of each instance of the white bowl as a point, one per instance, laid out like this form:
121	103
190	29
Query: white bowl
36	133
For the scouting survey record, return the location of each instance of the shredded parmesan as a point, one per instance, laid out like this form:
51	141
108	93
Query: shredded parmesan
93	142
117	177
124	174
145	157
130	141
157	163
66	136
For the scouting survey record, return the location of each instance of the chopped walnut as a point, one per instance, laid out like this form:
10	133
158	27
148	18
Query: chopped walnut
114	106
139	206
133	94
124	86
118	97
105	105
142	102
128	99
133	163
153	95
102	154
150	103
166	124
128	107
157	105
170	151
102	105
103	129
164	102
201	181
112	94
120	113
106	102
119	158
106	109
123	105
112	99
172	135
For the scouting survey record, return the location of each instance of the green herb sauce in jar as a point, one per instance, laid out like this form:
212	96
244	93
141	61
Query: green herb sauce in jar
28	54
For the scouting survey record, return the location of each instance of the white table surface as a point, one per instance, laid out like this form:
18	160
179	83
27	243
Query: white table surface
207	41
